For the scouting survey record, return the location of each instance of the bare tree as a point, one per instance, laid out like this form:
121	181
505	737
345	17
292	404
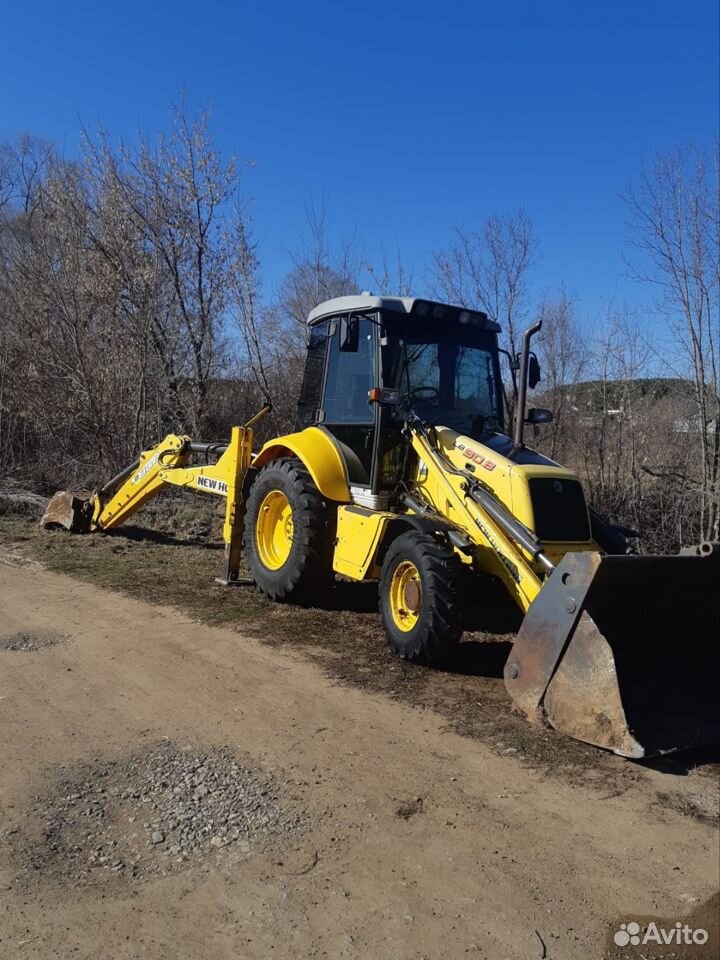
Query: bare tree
115	289
391	278
619	359
175	192
274	334
487	269
24	166
625	430
674	209
563	355
320	270
53	297
260	334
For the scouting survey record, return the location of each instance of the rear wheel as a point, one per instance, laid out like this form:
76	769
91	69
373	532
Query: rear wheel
420	600
289	531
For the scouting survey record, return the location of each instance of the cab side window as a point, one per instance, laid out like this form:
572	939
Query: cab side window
311	390
350	376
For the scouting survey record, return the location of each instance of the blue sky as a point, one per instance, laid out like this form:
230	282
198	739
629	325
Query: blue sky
409	117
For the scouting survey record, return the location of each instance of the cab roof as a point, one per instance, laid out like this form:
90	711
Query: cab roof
406	306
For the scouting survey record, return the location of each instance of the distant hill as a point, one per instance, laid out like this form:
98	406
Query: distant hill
593	396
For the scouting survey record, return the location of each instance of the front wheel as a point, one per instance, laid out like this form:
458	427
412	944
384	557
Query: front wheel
289	532
420	600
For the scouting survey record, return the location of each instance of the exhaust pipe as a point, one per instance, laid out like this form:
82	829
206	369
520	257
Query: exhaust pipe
518	442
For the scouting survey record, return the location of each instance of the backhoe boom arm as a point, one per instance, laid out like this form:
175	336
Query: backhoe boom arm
167	463
113	506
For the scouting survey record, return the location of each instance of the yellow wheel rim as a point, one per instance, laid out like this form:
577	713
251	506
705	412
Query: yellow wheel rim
274	530
405	595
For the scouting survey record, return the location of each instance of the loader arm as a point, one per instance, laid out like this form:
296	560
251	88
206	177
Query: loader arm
513	552
619	651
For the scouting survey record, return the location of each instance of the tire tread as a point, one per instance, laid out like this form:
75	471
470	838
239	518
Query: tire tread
309	567
440	626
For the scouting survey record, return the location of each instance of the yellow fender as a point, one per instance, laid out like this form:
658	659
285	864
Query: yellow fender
319	454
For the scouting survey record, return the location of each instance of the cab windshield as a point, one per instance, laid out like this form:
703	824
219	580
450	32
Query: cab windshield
450	381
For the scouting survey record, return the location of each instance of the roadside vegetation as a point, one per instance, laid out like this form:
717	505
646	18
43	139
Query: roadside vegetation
132	304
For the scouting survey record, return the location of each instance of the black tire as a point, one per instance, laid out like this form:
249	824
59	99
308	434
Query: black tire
438	629
307	572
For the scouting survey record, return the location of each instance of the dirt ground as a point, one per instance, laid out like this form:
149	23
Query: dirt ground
186	771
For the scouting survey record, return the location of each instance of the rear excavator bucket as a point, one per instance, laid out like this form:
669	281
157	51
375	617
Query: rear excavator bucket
622	652
68	510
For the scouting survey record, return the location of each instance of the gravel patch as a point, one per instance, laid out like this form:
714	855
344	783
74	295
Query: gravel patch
31	642
155	813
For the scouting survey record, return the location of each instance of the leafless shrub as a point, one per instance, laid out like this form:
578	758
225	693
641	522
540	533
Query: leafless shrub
674	209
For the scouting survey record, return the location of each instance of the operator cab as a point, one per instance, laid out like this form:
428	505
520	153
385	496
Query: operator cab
439	361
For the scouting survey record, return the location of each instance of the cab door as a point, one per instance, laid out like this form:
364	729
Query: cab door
351	370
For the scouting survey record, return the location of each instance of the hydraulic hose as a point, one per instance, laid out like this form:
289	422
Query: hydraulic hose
120	478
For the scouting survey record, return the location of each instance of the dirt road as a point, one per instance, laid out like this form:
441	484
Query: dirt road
389	836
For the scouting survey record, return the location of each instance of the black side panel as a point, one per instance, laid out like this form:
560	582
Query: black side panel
560	510
358	473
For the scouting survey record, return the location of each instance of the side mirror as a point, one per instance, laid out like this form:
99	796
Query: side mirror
349	335
533	371
538	415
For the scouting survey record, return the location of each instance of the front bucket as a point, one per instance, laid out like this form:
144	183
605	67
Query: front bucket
66	509
622	652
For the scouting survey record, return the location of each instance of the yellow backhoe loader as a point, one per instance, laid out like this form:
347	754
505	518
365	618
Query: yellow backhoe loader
401	471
